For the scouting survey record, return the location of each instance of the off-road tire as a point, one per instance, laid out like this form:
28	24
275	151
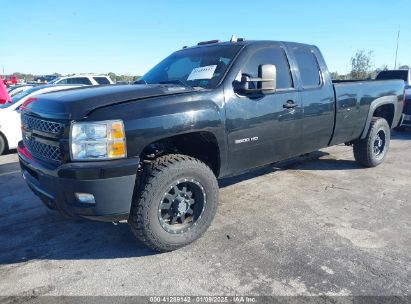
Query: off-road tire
154	181
364	148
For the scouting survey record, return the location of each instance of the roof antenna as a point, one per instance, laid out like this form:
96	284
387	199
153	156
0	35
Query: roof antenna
233	39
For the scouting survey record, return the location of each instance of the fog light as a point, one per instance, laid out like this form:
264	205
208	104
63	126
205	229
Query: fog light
85	198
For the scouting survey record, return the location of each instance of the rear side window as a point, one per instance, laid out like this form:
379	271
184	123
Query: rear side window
270	55
79	80
308	67
101	80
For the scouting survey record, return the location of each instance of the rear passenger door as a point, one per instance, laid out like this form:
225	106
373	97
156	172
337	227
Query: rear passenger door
317	98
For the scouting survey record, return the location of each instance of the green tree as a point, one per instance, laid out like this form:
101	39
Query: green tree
361	64
335	75
26	77
404	67
112	76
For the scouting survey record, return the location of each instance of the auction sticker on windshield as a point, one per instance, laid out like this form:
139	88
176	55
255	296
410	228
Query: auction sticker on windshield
205	72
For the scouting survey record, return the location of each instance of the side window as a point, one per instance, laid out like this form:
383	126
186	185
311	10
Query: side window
79	80
308	66
63	81
101	80
271	55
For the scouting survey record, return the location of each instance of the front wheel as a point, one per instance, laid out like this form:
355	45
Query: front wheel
3	146
372	150
175	202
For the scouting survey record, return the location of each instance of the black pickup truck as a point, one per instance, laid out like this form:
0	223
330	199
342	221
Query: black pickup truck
152	152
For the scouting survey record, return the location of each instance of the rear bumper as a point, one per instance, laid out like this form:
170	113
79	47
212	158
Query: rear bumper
406	120
110	182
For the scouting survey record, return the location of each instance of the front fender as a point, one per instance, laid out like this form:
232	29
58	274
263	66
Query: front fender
154	119
144	131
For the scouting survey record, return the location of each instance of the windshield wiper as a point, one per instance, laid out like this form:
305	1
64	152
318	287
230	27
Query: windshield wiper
176	81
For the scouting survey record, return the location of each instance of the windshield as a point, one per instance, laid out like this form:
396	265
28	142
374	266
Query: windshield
198	67
393	75
18	97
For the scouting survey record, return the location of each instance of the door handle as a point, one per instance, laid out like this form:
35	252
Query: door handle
290	104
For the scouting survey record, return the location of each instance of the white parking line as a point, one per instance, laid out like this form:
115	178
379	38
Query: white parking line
11	172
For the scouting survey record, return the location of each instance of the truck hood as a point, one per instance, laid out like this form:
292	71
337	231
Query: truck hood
77	103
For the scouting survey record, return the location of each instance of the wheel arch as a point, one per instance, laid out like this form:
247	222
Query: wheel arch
202	145
5	141
384	107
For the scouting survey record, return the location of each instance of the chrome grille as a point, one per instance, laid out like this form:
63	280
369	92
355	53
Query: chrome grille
33	123
41	138
42	150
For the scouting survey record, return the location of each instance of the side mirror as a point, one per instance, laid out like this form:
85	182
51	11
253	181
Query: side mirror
268	78
266	81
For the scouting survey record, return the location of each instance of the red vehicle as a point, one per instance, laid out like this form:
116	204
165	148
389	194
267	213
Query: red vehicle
9	80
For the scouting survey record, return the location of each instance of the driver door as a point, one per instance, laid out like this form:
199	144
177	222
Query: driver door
264	128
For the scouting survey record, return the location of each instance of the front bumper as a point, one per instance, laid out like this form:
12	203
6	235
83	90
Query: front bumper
110	182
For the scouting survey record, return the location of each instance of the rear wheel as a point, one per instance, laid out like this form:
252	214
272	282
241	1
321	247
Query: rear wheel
372	150
174	203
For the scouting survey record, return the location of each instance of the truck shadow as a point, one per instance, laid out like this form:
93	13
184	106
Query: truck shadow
51	237
30	231
404	135
309	161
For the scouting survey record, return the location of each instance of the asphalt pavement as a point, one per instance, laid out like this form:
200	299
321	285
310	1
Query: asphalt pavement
316	225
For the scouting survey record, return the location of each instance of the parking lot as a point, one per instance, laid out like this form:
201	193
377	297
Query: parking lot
319	224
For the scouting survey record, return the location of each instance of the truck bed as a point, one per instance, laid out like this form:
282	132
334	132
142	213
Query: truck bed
353	100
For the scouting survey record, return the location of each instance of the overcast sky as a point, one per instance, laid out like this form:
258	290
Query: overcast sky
129	37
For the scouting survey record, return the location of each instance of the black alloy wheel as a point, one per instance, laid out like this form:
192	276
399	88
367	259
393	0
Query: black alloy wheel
182	206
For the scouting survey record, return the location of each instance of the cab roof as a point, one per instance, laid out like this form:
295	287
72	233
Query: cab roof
243	42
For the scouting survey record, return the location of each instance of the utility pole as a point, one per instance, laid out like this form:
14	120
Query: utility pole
396	50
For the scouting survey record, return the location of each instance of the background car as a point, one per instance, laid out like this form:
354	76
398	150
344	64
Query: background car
406	76
395	74
45	78
9	80
10	125
14	90
83	79
406	121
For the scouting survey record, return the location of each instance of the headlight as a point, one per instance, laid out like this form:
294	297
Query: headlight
98	140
